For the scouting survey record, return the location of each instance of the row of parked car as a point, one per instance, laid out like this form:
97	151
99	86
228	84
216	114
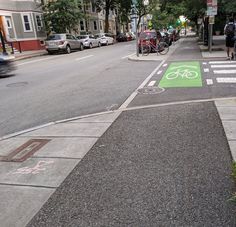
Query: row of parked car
124	37
67	42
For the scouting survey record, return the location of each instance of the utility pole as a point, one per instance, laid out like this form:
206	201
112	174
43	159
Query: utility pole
3	42
134	16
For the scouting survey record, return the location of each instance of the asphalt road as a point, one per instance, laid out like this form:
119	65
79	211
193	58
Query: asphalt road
57	87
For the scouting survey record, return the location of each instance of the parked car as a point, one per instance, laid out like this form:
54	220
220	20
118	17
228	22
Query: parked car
105	38
7	65
147	35
132	35
167	38
121	37
128	35
63	43
89	41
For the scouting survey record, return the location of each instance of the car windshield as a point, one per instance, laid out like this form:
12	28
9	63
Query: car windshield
55	37
82	37
149	35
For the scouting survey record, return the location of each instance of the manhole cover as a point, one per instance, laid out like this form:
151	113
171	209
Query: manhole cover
25	151
18	84
151	90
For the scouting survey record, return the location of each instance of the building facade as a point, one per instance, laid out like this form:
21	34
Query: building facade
21	24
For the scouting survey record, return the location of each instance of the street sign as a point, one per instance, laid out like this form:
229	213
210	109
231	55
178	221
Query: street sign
211	19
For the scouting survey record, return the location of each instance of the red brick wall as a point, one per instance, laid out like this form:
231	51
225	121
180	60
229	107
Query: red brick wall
28	45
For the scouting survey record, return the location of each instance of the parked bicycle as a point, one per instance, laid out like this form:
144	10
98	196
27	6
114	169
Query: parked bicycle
160	48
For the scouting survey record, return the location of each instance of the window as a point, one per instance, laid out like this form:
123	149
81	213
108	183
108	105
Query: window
82	25
95	25
39	22
26	23
8	21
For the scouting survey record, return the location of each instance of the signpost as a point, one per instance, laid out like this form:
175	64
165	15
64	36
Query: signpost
211	12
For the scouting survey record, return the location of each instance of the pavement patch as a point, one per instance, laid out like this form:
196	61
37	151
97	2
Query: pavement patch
182	74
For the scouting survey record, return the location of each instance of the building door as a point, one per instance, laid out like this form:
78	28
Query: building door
2	27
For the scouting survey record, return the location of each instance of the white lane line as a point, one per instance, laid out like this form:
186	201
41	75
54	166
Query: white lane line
159	72
128	56
223	66
206	70
209	81
232	71
221	62
38	60
204	63
164	65
133	95
89	56
226	80
151	83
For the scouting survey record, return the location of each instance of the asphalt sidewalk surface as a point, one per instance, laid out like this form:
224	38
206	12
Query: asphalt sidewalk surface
124	168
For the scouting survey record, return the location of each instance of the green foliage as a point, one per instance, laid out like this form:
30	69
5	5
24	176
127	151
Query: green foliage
233	174
62	15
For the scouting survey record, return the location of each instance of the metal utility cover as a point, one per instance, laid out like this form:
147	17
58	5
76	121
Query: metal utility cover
25	151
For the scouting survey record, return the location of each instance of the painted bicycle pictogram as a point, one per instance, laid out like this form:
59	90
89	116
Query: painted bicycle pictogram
182	72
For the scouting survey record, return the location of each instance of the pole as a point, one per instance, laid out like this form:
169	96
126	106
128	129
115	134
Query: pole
137	38
3	43
210	38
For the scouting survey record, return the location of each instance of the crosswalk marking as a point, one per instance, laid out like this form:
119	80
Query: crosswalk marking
221	62
226	80
159	72
223	66
209	81
232	71
206	70
151	83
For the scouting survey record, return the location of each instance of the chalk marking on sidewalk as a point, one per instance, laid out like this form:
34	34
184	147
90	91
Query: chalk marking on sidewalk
223	66
38	60
226	80
89	56
206	70
128	56
133	95
209	81
151	83
232	71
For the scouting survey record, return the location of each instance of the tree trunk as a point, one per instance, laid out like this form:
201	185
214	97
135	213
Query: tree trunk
107	19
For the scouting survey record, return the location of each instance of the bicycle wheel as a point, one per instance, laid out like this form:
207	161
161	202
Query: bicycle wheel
146	49
191	75
163	48
172	75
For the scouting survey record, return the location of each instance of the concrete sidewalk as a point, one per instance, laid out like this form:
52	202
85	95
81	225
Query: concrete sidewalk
218	51
29	54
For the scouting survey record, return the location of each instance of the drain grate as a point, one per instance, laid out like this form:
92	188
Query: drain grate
151	90
25	151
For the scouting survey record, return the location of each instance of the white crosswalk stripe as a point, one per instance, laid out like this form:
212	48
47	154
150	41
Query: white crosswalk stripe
224	70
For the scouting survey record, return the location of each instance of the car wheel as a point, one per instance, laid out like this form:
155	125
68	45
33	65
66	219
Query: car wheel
90	46
68	49
50	52
81	47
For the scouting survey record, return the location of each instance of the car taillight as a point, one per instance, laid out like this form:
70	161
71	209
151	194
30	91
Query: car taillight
61	42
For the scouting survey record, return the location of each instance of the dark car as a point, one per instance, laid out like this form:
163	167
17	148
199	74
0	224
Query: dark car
7	65
167	38
121	37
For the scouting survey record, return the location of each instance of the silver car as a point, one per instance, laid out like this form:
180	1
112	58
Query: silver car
89	41
105	38
63	43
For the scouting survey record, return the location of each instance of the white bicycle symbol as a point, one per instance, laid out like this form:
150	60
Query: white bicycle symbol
184	73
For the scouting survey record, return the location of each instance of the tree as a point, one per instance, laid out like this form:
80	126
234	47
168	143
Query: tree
124	9
143	9
106	5
62	15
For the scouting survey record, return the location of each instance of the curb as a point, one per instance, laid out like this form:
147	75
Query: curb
29	56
